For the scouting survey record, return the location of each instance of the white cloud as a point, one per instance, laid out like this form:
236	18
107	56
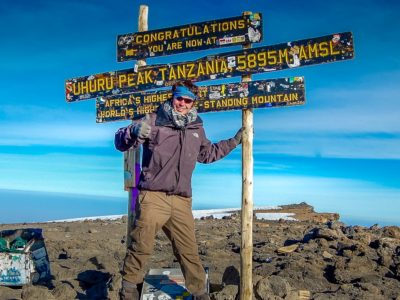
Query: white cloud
361	121
359	109
55	134
66	126
63	173
357	122
330	146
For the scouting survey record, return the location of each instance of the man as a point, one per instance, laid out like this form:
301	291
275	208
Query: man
173	139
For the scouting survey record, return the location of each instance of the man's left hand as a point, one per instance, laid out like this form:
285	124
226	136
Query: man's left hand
238	136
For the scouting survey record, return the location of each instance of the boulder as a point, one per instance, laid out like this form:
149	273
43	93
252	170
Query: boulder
391	232
229	292
354	268
362	237
273	287
64	291
326	233
37	293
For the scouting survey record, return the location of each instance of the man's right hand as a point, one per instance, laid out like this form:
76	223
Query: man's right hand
142	130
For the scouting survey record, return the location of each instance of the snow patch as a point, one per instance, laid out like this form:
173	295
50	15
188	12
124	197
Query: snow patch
275	216
112	217
197	214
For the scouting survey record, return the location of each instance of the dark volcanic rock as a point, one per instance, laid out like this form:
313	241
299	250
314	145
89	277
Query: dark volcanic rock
391	232
303	206
64	291
36	292
348	270
331	260
229	292
326	233
272	287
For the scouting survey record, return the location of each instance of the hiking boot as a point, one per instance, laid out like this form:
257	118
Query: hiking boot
204	296
129	291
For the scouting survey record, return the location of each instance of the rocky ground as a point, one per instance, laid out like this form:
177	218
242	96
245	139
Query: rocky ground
317	257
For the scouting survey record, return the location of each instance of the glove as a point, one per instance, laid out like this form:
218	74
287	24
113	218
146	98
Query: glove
238	136
142	130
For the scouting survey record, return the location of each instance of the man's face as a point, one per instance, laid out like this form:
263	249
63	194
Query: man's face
182	105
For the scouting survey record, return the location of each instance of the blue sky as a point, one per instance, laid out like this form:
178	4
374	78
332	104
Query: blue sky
340	152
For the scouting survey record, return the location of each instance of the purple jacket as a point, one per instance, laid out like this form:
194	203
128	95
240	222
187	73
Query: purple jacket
170	154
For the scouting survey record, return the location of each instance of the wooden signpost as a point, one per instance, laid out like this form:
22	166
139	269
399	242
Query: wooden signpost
132	156
246	215
122	95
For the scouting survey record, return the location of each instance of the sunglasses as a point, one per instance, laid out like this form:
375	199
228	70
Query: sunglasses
187	100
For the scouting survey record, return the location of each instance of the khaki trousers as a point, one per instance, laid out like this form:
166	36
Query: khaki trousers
173	214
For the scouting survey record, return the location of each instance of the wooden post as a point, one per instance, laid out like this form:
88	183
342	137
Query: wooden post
132	157
246	250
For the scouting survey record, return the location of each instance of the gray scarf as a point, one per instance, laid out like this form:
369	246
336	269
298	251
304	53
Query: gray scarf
180	121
